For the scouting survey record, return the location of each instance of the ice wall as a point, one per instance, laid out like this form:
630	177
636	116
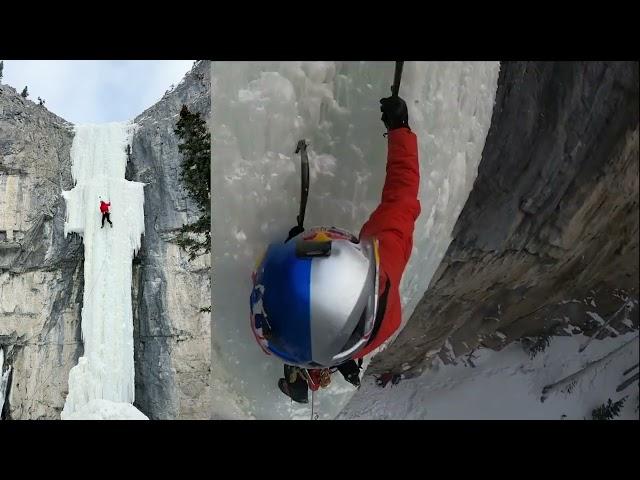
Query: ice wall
101	386
260	110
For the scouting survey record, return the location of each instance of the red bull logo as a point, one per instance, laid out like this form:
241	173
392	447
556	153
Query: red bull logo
326	234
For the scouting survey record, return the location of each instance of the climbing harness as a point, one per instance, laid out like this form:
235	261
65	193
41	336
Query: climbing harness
316	380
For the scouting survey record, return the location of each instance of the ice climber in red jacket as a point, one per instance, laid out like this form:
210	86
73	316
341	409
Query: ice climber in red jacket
325	298
104	209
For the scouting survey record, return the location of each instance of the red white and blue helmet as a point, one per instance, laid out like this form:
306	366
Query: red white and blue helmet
315	297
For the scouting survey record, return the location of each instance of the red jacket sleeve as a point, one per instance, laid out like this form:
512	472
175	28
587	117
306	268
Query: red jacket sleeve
392	223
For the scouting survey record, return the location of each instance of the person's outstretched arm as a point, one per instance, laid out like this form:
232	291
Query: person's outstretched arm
392	223
393	220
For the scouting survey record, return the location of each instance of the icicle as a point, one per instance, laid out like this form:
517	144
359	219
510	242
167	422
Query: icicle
4	380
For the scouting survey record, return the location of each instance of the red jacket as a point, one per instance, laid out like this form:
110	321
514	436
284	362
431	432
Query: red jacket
104	207
392	224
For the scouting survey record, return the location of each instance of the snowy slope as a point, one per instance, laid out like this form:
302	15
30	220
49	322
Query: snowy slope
260	110
508	385
101	386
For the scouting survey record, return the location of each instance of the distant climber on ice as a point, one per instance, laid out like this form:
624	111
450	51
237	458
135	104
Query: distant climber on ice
325	298
104	209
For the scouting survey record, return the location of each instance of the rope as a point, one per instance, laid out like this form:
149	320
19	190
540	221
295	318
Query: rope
314	416
95	280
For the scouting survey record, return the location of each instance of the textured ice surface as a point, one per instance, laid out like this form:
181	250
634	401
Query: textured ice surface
260	110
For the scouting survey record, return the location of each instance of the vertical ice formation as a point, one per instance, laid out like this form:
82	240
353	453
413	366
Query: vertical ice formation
101	386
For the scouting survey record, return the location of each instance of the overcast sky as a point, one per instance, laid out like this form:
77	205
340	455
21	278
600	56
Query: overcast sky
95	91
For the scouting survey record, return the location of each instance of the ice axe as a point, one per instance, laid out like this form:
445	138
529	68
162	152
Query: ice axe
397	77
301	148
395	88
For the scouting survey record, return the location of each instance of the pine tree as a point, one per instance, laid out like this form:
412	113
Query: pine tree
40	102
25	93
1	68
195	174
608	411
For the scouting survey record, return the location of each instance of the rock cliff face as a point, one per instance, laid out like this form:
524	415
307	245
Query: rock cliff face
550	229
41	274
172	337
40	271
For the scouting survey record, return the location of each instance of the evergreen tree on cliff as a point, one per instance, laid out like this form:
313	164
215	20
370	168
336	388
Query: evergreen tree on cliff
1	68
25	93
195	174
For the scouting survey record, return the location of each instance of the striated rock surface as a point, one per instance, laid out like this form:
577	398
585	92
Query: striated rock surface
171	335
40	271
548	239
